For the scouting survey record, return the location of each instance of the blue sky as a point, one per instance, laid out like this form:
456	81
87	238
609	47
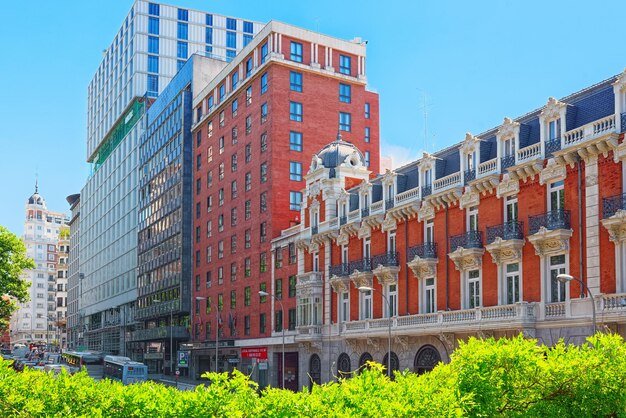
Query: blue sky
470	62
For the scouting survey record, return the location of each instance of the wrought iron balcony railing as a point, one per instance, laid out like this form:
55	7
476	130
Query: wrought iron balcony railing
342	269
610	205
389	203
387	260
623	119
427	190
470	175
364	264
555	219
507	161
506	231
314	229
552	145
365	212
425	250
469	239
343	220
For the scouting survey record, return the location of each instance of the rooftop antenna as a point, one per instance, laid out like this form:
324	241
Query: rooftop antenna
425	107
36	181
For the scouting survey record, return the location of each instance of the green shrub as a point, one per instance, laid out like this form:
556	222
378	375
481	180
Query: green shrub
485	378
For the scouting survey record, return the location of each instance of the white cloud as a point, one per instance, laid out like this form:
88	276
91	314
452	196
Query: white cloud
399	154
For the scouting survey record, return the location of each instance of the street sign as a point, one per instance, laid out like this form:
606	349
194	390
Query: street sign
259	353
177	373
183	359
263	365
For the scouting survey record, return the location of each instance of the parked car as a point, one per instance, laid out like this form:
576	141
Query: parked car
6	352
57	368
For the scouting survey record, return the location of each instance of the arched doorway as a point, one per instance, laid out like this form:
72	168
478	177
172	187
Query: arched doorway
426	359
343	365
395	363
365	357
315	370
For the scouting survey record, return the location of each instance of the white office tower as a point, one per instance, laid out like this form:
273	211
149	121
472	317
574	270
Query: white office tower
153	43
36	320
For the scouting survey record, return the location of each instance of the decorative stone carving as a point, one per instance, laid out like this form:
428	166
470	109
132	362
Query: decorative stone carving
591	180
548	242
509	185
448	341
470	144
552	109
616	226
426	212
552	172
388	178
365	231
505	251
386	274
529	333
361	278
353	160
303	244
470	198
508	129
620	152
316	162
365	187
373	343
389	224
467	258
315	205
484	334
402	342
343	238
340	284
427	162
315	189
314	246
423	267
620	83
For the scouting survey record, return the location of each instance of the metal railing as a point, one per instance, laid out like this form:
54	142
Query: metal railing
469	175
507	230
507	161
342	269
364	264
387	259
611	204
425	250
427	190
365	212
469	239
552	145
343	220
555	219
389	203
623	120
314	230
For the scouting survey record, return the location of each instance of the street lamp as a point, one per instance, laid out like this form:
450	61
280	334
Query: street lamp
282	327
364	289
171	337
563	278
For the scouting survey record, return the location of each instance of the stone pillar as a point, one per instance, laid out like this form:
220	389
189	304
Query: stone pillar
592	222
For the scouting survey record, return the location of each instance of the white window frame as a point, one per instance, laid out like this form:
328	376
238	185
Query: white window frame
316	261
511	201
365	305
554	125
509	275
557	188
509	147
367	248
429	231
429	295
344	307
391	242
391	293
468	282
472	218
561	268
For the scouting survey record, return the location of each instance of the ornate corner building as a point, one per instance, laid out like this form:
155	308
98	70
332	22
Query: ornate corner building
467	241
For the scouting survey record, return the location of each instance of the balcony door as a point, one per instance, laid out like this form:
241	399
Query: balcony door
472	219
556	204
557	288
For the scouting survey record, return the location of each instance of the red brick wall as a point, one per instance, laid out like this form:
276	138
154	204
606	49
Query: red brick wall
610	184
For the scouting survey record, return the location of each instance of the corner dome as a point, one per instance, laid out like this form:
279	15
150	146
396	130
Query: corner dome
338	153
35	198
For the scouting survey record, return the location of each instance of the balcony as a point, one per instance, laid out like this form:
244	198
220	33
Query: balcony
502	317
614	217
423	260
505	231
386	267
469	175
506	162
342	269
427	190
469	239
555	219
365	212
623	120
361	272
309	283
314	230
552	145
343	220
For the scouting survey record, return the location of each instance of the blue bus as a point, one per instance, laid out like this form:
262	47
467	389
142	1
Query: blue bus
124	369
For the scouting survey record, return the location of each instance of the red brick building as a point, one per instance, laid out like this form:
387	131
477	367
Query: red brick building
469	241
256	126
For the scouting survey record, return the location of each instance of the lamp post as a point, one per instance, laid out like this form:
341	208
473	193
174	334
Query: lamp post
282	327
364	289
563	278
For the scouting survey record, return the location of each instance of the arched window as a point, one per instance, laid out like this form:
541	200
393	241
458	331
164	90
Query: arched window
395	363
365	357
343	365
426	359
315	370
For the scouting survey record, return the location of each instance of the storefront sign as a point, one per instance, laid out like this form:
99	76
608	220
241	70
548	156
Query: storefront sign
254	352
183	359
263	365
153	356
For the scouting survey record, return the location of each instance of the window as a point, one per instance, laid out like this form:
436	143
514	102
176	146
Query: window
248	67
344	64
429	231
222	119
197	289
231	39
557	196
222	92
231	23
209	281
248	181
264	142
153	84
198	186
198	209
262	325
367	134
246	39
220	249
153	25
278	318
233	107
209	20
248	124
264	113
472	219
430	297
366	304
233	189
209	228
248	153
220	196
509	147
182	31
263	238
198	258
292	319
557	288
345	121
392	297
344	307
153	64
292	253
367	110
263	202
209	129
295	81
263	172
295	141
247	238
249	96
278	289
209	203
295	171
248	209
247	267
233	299
197	234
296	51
292	286
220	223
233	272
510	209
263	83
263	288
221	144
153	9
181	50
264	52
234	135
208	38
344	93
233	163
233	217
234	80
295	200
209	179
183	14
246	296
554	129
295	111
153	45
367	158
220	276
512	283
473	286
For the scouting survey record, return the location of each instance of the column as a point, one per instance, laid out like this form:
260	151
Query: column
592	230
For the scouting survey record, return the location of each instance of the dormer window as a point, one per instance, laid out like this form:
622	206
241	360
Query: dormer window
509	147
554	129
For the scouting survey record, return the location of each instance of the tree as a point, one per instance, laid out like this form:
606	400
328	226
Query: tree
13	262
